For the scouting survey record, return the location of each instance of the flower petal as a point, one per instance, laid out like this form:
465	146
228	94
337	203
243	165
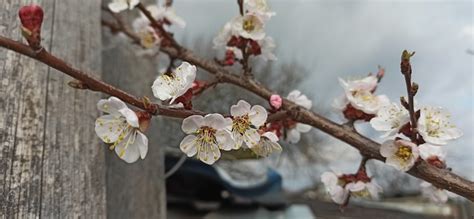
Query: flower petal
189	145
224	140
242	108
111	105
251	137
127	149
142	144
258	115
388	148
293	136
109	128
216	121
192	123
209	153
303	127
117	7
130	116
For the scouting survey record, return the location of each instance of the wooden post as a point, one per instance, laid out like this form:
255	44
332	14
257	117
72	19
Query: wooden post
134	190
51	163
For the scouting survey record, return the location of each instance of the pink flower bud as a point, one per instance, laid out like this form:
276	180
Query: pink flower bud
275	101
31	17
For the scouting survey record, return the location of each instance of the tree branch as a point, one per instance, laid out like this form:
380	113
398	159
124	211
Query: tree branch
367	147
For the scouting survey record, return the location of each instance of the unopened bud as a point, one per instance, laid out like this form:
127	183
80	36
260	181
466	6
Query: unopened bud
31	17
404	103
77	84
414	88
275	101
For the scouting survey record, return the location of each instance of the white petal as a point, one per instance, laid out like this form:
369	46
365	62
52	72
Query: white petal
215	121
163	88
388	148
271	136
339	194
356	187
426	151
109	127
142	143
209	153
242	108
329	179
238	140
293	136
340	103
117	6
224	140
189	145
192	123
128	149
258	115
251	137
130	116
133	3
111	105
303	127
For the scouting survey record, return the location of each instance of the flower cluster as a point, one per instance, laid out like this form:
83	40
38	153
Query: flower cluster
359	101
288	128
209	134
169	86
244	35
406	143
341	187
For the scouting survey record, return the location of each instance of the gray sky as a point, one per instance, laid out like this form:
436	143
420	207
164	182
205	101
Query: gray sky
344	38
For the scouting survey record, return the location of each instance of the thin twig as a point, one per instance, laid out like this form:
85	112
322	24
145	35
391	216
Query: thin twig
405	67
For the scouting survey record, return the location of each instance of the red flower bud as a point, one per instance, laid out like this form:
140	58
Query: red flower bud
31	18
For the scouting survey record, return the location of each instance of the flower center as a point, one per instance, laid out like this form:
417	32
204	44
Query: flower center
248	25
363	95
207	135
241	124
362	193
148	39
403	152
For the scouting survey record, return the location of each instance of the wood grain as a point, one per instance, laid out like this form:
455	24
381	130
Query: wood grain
133	190
51	163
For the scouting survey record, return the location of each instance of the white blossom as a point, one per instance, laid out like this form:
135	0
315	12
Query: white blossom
268	144
117	6
364	189
174	84
249	26
433	193
294	133
267	46
148	36
428	151
359	94
400	154
245	122
259	7
434	126
390	119
206	135
163	13
223	36
120	127
335	187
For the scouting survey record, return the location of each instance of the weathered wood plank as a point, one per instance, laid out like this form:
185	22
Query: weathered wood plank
133	190
51	164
